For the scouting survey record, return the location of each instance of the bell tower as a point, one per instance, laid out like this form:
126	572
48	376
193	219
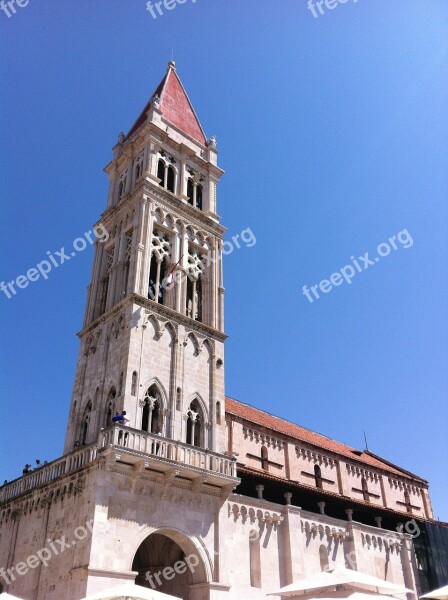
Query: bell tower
152	341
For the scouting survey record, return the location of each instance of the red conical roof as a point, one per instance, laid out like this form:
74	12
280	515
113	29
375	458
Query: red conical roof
175	106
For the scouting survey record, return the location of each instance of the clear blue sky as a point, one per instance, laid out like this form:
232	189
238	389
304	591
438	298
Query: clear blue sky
332	132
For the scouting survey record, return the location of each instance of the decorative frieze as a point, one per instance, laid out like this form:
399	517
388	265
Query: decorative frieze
381	543
316	529
315	457
363	473
253	515
266	440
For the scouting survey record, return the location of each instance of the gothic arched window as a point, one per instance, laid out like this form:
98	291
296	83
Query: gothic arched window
318	476
199	197
159	267
218	413
134	384
85	423
152	411
190	191
127	262
195	424
161	172
365	490
110	407
264	459
170	179
194	298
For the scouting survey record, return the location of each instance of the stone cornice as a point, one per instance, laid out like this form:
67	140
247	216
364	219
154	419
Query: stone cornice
114	310
169	313
168	200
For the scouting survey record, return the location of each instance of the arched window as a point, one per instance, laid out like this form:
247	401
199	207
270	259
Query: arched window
407	499
264	459
199	197
255	561
127	262
323	556
194	298
195	424
134	384
318	476
152	411
161	172
170	179
365	490
138	168
190	191
85	423
110	407
159	267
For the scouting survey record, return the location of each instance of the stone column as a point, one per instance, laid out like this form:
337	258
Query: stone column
291	556
136	250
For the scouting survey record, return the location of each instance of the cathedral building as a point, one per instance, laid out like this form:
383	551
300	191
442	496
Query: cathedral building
192	493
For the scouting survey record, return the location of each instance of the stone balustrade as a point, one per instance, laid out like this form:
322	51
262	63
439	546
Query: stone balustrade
49	472
164	448
130	440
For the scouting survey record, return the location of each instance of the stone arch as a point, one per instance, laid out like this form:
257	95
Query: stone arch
158	215
169	221
156	324
178	544
201	403
209	346
172	331
153	417
197	347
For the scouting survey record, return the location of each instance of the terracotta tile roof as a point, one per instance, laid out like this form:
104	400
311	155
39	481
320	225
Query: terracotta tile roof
260	417
176	108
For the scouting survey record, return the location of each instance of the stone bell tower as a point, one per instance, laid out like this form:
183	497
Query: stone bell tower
152	341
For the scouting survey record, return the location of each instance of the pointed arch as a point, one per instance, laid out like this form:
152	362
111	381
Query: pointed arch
318	476
110	407
153	408
85	421
208	345
161	167
194	340
196	417
171	179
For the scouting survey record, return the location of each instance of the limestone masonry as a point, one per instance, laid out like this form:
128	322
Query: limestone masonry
197	495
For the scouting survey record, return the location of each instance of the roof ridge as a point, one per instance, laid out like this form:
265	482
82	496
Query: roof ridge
286	420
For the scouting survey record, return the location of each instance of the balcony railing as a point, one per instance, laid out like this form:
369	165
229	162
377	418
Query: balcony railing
133	441
47	473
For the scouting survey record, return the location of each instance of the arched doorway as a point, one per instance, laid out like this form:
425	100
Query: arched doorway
169	562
